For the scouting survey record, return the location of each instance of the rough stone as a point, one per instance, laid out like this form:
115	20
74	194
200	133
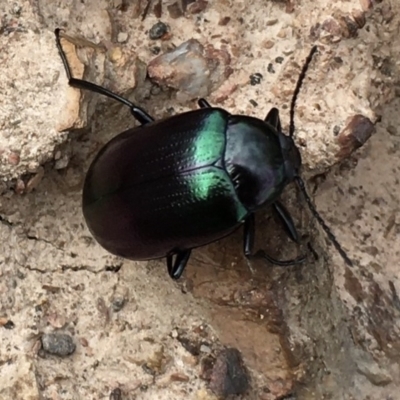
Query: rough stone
58	344
229	375
192	69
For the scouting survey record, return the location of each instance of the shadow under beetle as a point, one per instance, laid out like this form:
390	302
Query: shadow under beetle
168	186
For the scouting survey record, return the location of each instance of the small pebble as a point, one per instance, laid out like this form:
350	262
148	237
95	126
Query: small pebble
224	21
13	158
174	334
392	130
175	10
268	44
205	349
197	7
356	133
62	162
178	377
115	54
255	79
158	30
122	37
189	345
253	103
118	301
271	22
148	370
155	50
58	344
9	325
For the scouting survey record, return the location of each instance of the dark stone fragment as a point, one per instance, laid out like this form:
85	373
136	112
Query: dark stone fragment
58	344
351	25
270	68
148	370
357	131
359	18
189	345
229	375
9	325
255	79
253	103
158	30
113	268
155	50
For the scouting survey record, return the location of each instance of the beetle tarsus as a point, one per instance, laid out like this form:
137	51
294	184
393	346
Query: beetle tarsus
139	114
249	233
176	268
261	254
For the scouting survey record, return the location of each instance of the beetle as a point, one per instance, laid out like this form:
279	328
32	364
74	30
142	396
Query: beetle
165	187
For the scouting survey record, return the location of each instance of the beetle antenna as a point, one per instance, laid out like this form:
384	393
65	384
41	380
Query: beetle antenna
331	236
299	181
138	113
298	87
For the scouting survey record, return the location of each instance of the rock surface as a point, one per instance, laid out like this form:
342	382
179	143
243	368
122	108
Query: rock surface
321	330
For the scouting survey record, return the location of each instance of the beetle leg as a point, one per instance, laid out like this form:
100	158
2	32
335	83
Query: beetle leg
203	103
175	268
273	119
138	113
249	234
287	220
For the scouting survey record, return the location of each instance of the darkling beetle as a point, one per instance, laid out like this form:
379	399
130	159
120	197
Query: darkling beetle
166	187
